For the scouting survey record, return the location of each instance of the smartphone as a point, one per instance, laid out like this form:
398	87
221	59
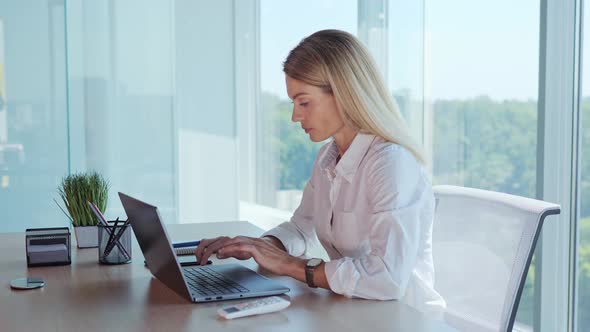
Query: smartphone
188	260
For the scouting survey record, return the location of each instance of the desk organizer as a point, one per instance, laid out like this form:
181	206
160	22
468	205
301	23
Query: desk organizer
48	246
114	244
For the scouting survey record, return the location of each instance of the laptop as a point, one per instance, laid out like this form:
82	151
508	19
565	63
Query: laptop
196	283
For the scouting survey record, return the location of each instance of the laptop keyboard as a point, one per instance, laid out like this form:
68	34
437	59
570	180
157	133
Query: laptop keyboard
205	281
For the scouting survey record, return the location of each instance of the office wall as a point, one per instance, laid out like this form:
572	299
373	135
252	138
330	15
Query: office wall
205	108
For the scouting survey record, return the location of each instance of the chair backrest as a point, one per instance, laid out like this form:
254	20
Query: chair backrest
483	243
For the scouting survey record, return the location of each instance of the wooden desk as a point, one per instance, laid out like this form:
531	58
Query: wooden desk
86	296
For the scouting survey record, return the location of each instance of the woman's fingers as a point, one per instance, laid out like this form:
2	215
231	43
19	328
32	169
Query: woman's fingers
201	247
207	247
212	248
266	254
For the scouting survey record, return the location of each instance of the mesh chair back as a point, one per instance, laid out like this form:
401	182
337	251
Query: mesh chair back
483	244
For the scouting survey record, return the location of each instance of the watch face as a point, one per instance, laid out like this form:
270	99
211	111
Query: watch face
314	262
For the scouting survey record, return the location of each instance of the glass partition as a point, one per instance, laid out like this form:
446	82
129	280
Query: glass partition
33	113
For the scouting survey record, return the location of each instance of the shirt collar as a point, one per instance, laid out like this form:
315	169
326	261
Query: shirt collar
351	159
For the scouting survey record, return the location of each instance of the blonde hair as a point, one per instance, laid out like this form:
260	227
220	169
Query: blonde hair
339	64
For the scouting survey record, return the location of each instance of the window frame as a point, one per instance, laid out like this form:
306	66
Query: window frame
558	163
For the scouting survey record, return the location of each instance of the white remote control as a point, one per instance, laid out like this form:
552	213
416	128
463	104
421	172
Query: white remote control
256	307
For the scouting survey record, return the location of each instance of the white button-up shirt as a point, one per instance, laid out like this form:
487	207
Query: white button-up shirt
372	211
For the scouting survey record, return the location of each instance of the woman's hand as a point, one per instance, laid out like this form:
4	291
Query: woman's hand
208	247
265	253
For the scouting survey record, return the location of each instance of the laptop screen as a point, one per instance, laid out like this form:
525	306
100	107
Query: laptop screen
154	243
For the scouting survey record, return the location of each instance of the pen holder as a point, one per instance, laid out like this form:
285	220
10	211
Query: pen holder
114	244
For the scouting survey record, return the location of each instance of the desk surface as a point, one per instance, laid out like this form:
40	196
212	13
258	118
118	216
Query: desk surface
86	296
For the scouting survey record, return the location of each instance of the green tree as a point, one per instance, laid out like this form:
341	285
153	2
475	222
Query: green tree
486	144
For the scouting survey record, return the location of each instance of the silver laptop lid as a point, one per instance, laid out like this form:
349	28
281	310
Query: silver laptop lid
154	243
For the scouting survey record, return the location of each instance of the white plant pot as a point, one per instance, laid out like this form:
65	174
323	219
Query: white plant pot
86	236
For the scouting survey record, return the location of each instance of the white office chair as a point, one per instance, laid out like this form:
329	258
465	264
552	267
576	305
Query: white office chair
483	243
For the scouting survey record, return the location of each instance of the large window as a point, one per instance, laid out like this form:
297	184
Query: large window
482	83
466	85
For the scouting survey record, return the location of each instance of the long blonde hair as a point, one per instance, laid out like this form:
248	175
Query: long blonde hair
338	63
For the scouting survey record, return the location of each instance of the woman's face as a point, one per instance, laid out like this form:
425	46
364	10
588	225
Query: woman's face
315	109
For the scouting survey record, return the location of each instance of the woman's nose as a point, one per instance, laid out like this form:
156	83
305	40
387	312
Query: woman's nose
296	116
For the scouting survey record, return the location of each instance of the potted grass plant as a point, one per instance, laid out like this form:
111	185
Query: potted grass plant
75	191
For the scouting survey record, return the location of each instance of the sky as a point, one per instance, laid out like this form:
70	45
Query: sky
284	23
473	48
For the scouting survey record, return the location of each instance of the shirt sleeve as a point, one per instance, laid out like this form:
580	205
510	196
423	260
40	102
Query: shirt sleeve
298	233
398	194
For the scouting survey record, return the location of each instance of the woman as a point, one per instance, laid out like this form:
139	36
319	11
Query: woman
368	201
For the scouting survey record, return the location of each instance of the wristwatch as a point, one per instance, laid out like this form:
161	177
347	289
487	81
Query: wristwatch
310	267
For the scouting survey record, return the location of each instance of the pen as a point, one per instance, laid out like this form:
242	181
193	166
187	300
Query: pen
110	240
186	244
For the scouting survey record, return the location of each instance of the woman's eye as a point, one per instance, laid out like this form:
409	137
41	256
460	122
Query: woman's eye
303	104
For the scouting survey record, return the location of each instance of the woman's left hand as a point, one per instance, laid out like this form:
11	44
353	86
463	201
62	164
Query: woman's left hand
266	254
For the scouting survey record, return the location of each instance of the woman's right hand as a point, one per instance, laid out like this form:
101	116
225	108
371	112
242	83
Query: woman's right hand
208	247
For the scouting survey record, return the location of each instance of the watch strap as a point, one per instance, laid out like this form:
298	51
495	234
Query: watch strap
309	272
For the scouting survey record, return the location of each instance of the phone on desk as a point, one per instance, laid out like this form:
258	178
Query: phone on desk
189	260
186	260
